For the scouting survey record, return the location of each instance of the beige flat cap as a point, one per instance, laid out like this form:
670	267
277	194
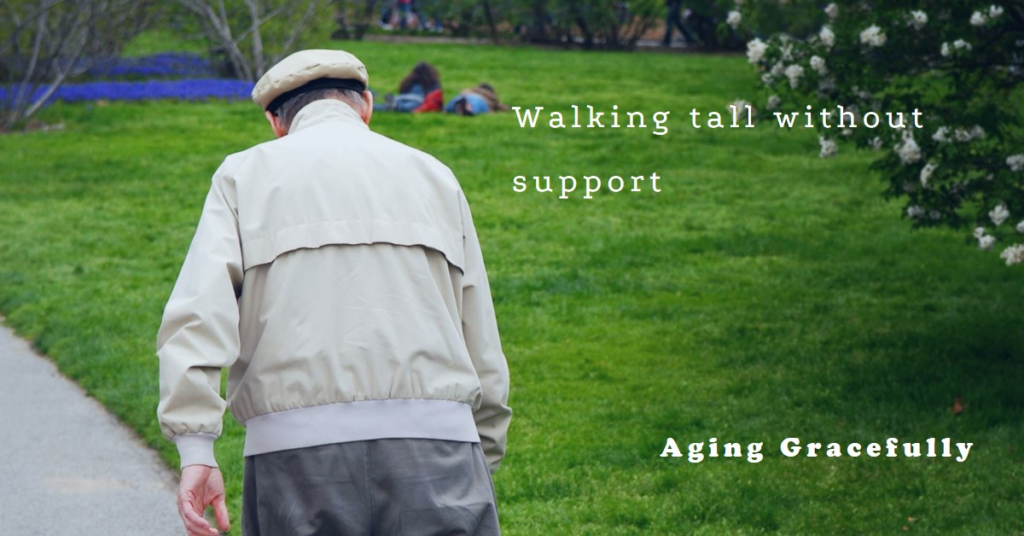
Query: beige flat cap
316	69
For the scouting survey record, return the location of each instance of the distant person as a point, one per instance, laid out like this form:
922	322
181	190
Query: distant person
420	91
422	86
404	13
675	20
477	100
385	14
428	13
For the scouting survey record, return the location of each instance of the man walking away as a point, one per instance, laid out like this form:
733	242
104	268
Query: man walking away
337	274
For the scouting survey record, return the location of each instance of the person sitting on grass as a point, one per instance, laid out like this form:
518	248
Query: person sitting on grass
475	101
420	91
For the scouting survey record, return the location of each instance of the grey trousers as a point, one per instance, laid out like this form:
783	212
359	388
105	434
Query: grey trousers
381	487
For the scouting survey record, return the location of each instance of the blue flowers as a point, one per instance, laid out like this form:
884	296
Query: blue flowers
169	65
191	90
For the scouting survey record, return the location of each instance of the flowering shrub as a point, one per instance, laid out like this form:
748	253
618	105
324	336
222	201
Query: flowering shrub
190	90
958	63
746	18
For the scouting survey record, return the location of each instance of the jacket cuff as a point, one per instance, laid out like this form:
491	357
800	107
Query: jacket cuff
196	449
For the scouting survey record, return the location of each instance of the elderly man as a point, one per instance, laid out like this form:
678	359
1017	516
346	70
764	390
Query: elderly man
338	275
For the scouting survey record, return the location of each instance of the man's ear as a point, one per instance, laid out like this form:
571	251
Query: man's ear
367	112
279	129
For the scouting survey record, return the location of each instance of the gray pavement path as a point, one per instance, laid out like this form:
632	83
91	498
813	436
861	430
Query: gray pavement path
67	466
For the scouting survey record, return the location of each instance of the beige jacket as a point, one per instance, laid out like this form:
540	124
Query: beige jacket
338	275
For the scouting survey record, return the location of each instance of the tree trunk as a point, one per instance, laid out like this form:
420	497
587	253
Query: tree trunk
489	16
369	15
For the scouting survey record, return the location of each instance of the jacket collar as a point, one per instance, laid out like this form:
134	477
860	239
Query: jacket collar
322	111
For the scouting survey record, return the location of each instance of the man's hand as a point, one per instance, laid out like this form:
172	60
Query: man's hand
200	487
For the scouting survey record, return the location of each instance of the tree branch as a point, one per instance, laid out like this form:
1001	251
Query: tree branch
257	40
26	87
310	11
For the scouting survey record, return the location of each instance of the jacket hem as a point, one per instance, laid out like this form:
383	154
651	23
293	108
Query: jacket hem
360	421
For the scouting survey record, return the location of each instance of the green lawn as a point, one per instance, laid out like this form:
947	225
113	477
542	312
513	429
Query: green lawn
763	294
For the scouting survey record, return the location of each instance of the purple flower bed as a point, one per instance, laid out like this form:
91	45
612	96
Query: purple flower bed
166	65
198	82
197	89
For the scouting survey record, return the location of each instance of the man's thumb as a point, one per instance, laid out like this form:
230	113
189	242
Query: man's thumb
220	512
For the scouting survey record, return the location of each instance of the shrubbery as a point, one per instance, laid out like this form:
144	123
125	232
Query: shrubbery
247	37
43	43
960	63
600	24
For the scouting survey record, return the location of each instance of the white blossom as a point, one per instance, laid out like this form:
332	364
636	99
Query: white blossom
915	211
964	135
876	143
979	232
995	11
873	36
793	73
767	79
1016	162
818	64
935	215
978	18
787	52
1020	227
998	215
773	102
832	10
986	241
958	45
926	173
778	69
1013	255
756	50
733	19
908	151
917	19
828	147
738	3
941	135
741	107
827	36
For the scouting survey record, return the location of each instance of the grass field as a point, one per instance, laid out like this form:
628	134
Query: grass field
763	294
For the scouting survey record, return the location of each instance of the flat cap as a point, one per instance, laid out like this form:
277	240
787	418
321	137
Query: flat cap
316	68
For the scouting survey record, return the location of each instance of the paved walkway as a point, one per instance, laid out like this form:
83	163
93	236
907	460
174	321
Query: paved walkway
67	466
